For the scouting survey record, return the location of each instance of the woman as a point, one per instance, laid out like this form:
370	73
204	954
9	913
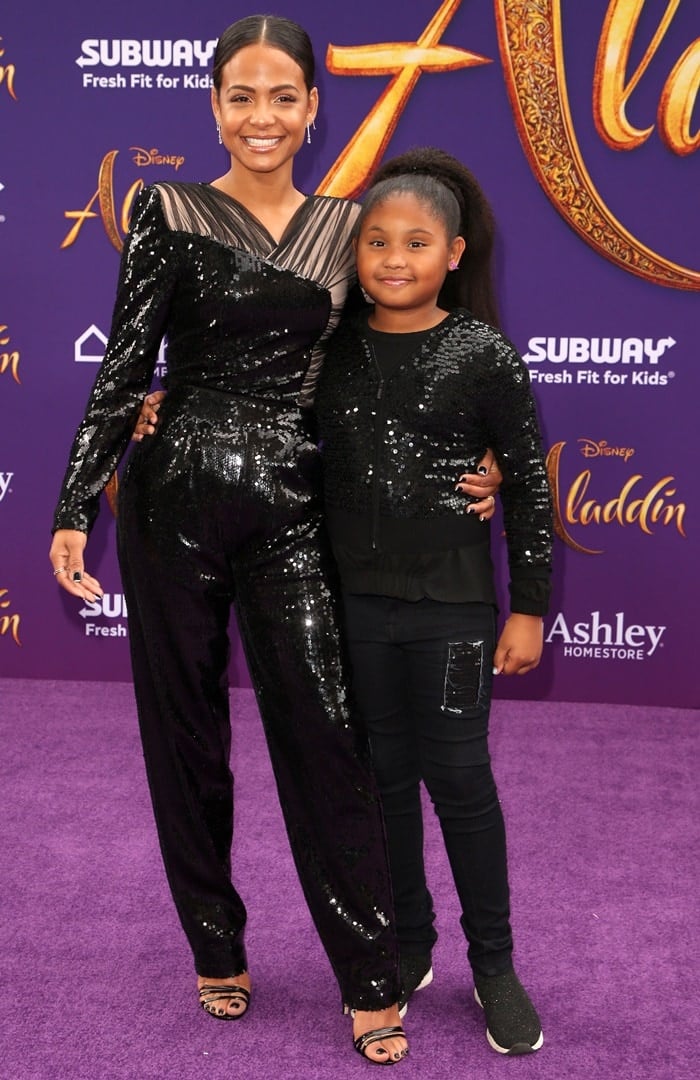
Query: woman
246	276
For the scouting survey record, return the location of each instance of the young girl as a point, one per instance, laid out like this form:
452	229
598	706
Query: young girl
411	393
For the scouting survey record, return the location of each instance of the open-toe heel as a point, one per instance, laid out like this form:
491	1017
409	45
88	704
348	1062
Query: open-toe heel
212	998
363	1042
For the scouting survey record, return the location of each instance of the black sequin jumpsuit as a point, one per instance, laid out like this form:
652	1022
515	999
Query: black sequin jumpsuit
222	507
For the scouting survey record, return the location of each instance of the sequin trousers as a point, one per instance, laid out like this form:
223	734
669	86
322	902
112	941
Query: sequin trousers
223	506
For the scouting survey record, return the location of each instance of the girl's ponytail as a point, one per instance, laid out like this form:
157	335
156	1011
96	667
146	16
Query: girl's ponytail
471	285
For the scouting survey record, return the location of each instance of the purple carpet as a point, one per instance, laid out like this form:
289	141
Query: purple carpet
601	809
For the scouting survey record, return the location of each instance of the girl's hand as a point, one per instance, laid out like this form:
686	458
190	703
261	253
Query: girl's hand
483	485
520	645
148	417
66	557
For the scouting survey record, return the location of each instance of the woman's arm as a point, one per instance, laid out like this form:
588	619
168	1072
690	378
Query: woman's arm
66	557
483	485
146	280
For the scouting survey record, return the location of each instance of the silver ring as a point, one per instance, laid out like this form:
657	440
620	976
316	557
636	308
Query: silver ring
61	570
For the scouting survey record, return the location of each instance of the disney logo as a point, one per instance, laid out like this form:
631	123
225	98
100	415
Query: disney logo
590	449
153	157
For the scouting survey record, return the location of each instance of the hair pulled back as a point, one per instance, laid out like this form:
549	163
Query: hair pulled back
272	30
445	185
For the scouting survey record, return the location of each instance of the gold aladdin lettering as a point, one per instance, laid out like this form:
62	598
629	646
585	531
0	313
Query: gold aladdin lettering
530	37
104	197
406	61
7	76
532	54
634	505
9	361
8	623
612	91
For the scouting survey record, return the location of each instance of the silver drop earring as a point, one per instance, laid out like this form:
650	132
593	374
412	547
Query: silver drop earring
308	130
218	132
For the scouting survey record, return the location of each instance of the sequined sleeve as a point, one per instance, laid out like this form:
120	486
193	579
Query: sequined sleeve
146	281
514	433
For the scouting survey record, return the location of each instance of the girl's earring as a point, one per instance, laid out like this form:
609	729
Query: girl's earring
453	264
218	132
308	130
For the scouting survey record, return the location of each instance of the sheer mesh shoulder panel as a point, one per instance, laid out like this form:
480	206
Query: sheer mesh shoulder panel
201	209
323	252
316	244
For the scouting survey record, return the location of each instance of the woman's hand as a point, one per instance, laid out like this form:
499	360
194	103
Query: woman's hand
66	557
148	417
520	645
483	485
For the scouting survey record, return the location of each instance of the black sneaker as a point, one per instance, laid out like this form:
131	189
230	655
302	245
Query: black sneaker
512	1024
416	972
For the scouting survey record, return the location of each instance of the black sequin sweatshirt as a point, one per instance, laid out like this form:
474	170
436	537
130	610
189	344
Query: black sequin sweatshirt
394	448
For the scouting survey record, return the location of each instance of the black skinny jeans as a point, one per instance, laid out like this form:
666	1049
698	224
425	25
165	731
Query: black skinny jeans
422	675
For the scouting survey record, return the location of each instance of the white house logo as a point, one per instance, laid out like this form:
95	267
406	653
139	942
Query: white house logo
111	607
89	348
599	361
599	639
5	489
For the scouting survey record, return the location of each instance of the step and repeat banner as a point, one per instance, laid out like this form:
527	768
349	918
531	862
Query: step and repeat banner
581	122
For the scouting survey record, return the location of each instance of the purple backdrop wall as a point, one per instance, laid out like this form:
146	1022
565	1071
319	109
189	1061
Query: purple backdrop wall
581	122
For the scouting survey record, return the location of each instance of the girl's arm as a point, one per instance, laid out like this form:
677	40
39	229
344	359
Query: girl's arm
148	415
520	645
512	428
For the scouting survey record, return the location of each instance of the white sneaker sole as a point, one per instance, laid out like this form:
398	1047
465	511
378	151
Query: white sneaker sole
518	1048
425	981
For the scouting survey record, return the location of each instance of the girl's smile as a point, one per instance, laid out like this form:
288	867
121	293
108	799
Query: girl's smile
403	255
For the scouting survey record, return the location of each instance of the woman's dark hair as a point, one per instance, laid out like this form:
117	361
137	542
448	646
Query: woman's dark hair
446	186
272	30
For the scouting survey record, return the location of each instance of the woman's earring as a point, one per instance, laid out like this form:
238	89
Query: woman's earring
453	264
218	132
308	130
